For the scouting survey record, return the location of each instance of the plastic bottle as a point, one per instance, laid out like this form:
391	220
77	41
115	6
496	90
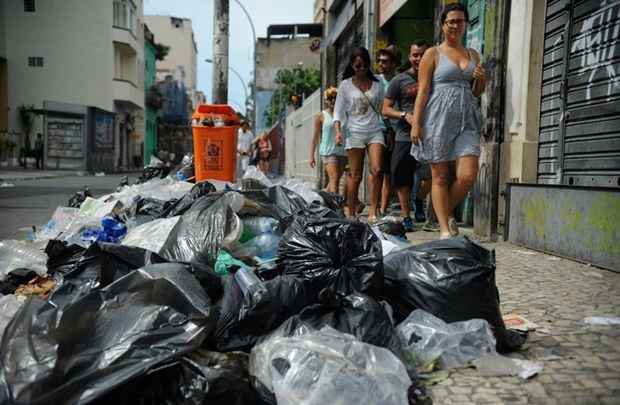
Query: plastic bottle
266	245
260	225
246	279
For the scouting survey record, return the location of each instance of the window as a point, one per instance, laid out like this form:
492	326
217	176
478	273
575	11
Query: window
125	15
29	6
35	61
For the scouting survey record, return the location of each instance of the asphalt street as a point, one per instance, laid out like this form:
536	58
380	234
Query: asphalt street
32	202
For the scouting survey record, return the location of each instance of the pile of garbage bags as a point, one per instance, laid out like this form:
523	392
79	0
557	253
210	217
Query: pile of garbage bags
259	292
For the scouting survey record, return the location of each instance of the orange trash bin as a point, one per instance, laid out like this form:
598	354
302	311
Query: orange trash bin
214	130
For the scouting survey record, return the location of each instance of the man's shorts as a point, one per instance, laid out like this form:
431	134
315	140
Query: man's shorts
403	165
334	159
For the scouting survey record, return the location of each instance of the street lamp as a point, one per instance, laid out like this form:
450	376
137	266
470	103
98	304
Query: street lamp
255	43
245	90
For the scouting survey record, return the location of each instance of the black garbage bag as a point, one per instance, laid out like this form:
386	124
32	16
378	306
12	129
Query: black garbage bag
198	235
80	351
153	172
340	254
153	207
277	202
78	271
200	377
395	228
320	211
14	279
356	314
453	279
333	201
180	207
243	320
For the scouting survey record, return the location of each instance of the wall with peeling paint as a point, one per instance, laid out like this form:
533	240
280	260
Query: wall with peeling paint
579	223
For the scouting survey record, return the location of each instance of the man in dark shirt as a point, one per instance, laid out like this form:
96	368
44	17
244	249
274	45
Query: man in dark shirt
398	104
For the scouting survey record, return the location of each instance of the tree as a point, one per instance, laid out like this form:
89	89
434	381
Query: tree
292	87
161	51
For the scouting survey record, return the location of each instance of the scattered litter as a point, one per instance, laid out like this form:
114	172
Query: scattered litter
525	252
6	185
40	286
99	174
426	338
496	366
151	235
602	320
517	322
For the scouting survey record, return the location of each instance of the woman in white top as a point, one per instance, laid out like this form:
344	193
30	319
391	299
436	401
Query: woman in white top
359	100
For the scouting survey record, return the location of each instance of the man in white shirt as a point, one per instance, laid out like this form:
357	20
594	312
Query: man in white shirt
244	146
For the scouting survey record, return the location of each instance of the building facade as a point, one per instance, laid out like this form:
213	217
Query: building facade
65	81
152	98
181	61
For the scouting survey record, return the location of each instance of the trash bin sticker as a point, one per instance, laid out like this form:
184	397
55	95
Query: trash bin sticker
214	154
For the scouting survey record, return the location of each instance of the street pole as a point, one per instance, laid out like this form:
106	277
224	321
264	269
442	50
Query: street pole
255	107
220	51
243	83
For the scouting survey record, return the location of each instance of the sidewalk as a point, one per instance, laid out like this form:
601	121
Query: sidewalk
581	362
34	174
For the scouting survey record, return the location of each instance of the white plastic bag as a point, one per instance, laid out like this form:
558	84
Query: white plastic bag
151	235
253	173
303	188
329	367
17	254
426	338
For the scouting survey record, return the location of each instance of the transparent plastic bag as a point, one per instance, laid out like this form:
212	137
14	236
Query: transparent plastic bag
496	365
303	188
253	173
151	235
16	254
329	367
426	338
61	221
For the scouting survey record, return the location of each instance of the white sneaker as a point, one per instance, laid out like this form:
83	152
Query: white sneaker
453	227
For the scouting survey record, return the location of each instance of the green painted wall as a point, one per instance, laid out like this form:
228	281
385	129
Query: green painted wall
150	115
413	21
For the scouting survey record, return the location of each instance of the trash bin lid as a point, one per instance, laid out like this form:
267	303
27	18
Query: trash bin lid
212	112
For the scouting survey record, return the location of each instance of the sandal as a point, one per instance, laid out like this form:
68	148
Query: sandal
372	220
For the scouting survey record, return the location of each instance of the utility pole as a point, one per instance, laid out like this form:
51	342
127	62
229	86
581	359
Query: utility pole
220	51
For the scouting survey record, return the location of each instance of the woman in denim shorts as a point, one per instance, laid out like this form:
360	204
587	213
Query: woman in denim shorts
359	101
333	156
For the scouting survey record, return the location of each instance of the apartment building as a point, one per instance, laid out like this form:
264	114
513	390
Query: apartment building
180	63
75	71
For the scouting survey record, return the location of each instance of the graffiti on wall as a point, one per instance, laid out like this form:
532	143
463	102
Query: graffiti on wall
596	32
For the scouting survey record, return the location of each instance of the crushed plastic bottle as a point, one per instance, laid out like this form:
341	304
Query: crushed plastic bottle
247	280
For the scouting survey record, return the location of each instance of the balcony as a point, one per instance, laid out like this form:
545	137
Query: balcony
127	92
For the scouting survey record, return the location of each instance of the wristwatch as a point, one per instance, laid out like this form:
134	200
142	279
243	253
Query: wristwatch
403	115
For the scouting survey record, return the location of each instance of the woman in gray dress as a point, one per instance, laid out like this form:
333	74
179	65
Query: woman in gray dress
446	121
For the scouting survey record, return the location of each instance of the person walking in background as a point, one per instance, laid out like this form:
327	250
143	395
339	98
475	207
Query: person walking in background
359	100
398	104
263	144
333	156
446	124
388	59
244	148
39	149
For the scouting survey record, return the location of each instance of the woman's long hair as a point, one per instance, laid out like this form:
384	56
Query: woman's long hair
362	53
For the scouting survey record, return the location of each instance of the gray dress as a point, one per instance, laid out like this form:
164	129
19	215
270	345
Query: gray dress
452	122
